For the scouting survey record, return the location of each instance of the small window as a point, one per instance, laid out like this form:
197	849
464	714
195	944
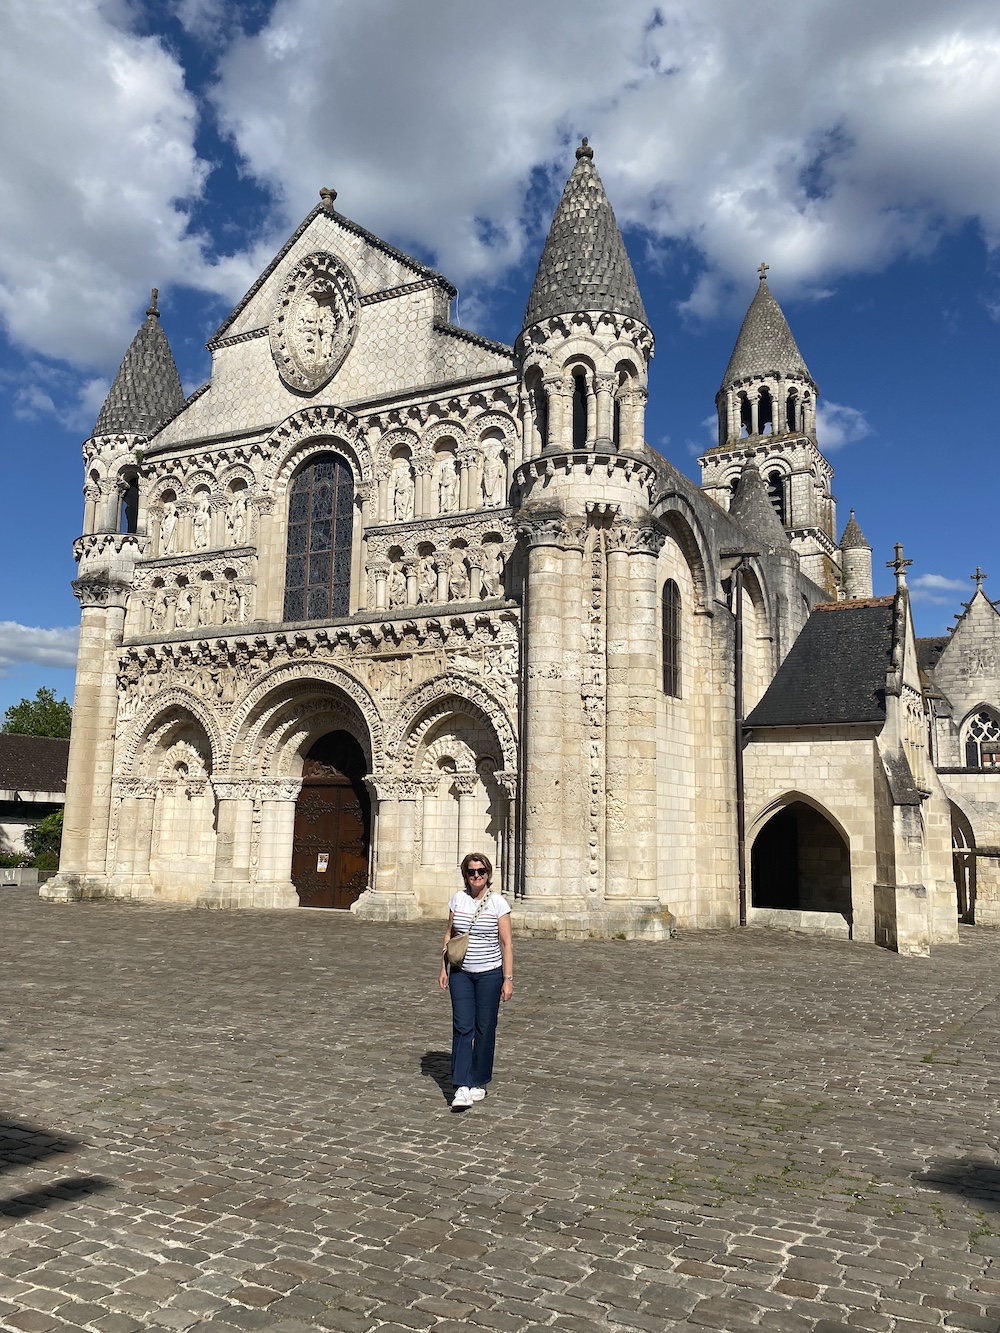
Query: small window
128	513
776	493
982	740
671	628
579	410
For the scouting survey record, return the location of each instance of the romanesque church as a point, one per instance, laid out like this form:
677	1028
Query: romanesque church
384	591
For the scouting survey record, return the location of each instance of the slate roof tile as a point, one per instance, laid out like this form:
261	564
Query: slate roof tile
147	389
32	763
835	671
765	345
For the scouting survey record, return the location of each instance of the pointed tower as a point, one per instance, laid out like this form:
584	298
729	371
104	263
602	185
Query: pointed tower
855	561
146	393
590	633
767	413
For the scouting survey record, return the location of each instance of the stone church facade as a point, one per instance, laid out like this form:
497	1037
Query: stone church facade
384	591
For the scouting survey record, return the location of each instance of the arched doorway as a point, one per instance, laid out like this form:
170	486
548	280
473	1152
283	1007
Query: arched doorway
963	859
332	824
800	862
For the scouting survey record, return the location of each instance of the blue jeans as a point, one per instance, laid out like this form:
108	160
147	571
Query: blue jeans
475	1005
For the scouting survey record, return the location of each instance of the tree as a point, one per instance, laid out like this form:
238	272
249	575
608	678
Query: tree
45	715
44	839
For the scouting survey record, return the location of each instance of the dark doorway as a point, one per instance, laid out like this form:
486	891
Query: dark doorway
800	863
963	859
332	824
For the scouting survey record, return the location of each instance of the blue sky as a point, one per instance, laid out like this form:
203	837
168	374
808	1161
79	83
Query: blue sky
853	147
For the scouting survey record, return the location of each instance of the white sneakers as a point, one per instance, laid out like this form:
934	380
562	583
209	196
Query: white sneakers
468	1096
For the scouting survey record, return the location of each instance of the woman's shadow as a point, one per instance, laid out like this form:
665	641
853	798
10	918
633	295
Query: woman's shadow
437	1065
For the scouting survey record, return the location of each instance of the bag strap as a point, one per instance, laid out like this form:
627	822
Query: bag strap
486	897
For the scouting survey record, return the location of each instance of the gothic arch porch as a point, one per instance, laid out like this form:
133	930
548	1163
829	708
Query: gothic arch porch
963	854
800	863
332	835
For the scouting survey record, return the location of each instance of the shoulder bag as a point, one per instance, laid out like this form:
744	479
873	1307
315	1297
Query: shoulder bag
457	947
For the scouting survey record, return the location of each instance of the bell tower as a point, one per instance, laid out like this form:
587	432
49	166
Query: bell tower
767	415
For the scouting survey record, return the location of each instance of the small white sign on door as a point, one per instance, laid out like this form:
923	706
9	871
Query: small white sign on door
322	862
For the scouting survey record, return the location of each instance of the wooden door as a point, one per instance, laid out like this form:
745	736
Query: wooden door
330	850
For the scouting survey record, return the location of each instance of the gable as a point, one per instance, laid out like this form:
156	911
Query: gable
967	670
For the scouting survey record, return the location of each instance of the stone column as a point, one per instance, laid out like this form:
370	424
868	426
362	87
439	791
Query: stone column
142	843
466	477
644	689
91	502
542	741
87	814
637	424
557	397
617	758
274	887
424	468
441	568
754	407
233	824
410	563
475	575
217	530
574	731
391	897
466	785
269	562
380	570
605	410
507	782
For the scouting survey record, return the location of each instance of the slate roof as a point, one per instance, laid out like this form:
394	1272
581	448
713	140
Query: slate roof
753	510
32	763
765	345
929	650
835	671
584	265
853	538
147	389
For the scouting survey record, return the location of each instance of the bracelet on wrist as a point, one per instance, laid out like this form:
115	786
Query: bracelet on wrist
509	978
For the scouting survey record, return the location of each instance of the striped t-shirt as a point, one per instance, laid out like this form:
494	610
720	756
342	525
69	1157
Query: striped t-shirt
483	954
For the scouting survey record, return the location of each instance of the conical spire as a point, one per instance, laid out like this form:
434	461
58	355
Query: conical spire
853	538
147	389
584	265
765	346
754	511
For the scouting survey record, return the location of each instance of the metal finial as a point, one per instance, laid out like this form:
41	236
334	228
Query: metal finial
978	576
151	309
762	270
584	150
328	196
900	566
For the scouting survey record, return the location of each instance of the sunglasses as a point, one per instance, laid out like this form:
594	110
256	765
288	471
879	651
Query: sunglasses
472	873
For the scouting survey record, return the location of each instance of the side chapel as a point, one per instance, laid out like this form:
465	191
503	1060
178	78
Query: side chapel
383	591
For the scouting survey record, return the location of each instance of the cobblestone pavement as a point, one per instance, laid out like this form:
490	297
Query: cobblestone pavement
238	1121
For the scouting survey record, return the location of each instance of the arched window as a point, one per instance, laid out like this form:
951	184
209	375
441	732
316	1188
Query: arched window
791	407
671	630
320	533
746	416
982	740
776	493
579	409
128	510
765	412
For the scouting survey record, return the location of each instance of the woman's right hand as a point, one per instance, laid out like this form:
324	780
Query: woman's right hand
443	977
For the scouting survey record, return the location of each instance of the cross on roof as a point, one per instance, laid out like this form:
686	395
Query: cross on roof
978	576
762	270
899	565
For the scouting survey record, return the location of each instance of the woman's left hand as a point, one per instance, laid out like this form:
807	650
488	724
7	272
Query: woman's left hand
507	990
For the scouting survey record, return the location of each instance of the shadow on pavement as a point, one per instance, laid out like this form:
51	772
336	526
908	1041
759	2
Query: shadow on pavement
437	1065
71	1190
979	1181
25	1145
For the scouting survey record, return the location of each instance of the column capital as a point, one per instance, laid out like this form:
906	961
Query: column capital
423	467
636	538
392	786
543	528
278	789
101	589
234	789
506	780
465	783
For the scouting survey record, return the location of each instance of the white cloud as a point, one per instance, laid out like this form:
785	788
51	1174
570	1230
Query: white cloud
837	425
827	138
938	589
44	647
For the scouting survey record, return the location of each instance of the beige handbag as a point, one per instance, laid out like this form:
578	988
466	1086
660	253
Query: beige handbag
458	946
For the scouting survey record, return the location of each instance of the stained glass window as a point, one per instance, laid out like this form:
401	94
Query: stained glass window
320	534
982	741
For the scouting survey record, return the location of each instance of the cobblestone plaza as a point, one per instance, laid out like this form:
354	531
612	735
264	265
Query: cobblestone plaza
239	1121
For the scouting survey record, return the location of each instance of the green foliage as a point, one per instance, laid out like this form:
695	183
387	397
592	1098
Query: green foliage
14	860
43	840
45	715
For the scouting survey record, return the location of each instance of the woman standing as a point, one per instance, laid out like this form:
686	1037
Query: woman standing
485	977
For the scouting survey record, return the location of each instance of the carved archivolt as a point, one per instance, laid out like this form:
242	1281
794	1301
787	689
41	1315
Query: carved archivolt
443	430
172	709
388	442
433	701
314	430
253	716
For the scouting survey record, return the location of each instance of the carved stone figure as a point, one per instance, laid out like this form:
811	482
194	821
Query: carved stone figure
494	476
492	571
202	524
401	490
168	528
458	578
185	601
158	614
427	580
206	603
236	519
447	486
397	586
233	605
